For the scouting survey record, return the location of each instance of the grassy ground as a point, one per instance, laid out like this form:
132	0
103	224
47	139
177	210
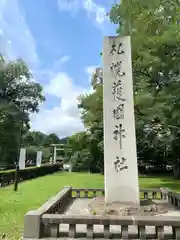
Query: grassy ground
31	194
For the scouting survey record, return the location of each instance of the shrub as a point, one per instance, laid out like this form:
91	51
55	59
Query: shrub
7	177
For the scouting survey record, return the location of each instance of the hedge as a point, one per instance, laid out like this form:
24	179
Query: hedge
7	177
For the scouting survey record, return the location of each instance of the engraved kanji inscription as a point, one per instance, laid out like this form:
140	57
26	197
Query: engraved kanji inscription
116	48
118	113
120	164
119	134
117	91
116	68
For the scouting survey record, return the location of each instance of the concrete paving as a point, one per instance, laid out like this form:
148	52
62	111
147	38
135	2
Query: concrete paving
79	207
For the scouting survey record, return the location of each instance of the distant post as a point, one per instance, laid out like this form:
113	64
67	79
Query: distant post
22	158
39	158
54	155
120	160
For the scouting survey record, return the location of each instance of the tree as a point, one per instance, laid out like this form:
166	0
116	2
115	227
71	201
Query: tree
81	161
97	77
51	139
34	138
155	32
80	152
17	86
37	141
19	96
32	153
92	115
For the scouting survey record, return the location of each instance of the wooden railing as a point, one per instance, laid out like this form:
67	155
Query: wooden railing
48	220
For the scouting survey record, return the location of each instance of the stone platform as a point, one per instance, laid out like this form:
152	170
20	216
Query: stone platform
69	215
81	207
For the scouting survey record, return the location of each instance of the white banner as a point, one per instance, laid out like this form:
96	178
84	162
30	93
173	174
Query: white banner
22	158
39	159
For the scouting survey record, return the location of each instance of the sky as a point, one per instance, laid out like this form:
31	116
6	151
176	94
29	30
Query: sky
61	41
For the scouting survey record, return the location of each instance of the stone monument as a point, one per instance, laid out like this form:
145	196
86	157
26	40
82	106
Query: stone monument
120	158
22	158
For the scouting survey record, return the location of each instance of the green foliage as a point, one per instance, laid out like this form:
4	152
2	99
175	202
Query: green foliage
81	160
91	142
155	33
51	139
6	177
19	96
32	153
77	152
36	141
92	116
36	138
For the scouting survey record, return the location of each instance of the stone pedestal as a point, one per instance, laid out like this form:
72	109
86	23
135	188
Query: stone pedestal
120	159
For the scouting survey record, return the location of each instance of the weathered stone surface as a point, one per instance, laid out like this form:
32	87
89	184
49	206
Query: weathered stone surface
120	158
97	206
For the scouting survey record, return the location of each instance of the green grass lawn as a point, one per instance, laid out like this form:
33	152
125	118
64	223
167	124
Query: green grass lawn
31	194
